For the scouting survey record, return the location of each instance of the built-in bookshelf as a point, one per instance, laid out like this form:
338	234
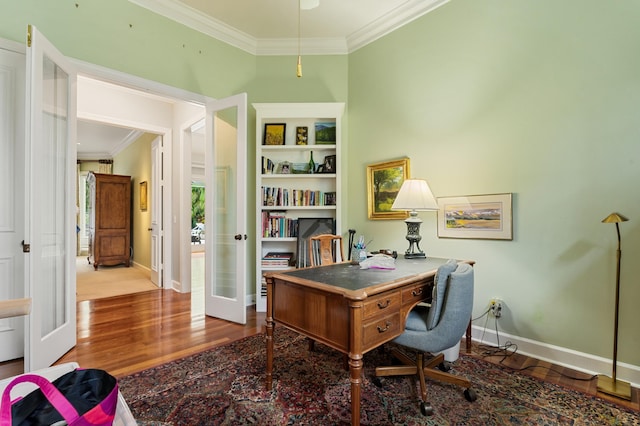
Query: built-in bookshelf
297	176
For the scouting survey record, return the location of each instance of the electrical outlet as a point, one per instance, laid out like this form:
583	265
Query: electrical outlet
495	307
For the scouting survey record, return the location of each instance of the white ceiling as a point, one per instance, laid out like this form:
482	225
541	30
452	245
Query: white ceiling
270	27
267	27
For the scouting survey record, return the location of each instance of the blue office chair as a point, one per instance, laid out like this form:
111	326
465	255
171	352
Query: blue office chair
436	328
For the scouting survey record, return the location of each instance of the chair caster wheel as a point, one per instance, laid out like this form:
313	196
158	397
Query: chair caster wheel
426	409
470	395
444	367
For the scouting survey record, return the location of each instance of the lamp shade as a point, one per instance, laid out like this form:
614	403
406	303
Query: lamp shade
614	218
415	194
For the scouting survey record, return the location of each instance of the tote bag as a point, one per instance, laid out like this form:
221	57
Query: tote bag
83	397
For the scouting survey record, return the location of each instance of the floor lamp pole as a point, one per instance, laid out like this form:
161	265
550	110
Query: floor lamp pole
610	385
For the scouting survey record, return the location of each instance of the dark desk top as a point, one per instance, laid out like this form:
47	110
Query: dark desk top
348	278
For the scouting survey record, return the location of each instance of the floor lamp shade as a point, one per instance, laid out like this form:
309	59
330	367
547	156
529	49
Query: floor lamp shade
611	385
414	195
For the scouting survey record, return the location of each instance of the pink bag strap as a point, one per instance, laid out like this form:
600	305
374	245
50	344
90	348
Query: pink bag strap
64	407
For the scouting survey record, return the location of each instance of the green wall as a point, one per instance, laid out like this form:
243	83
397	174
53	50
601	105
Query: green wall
485	96
540	99
122	36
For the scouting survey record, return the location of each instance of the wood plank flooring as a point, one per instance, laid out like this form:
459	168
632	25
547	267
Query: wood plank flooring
129	333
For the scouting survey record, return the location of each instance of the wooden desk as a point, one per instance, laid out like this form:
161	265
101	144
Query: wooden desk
350	309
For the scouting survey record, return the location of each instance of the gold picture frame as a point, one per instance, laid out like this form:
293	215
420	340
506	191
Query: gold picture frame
143	196
383	183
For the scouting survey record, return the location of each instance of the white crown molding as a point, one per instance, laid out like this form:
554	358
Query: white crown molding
390	22
217	29
128	140
204	24
308	46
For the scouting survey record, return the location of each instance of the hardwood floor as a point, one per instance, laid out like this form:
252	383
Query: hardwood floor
129	333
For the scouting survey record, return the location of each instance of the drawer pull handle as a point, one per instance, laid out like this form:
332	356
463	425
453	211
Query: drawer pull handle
387	324
416	293
385	304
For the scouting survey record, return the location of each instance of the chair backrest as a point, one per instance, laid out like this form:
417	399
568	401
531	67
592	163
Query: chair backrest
458	303
441	281
325	248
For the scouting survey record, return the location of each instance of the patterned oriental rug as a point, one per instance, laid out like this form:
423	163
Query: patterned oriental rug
225	386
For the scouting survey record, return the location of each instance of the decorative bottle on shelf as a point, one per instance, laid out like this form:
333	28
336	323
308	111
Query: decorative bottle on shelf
312	164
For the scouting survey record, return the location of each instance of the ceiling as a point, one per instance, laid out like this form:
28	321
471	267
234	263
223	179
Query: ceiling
267	27
270	27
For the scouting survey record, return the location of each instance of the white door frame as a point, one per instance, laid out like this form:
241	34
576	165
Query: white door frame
185	148
169	215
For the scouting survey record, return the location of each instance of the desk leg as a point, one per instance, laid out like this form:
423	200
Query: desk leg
355	358
269	339
469	337
355	375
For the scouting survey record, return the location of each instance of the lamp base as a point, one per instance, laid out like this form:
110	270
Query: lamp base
614	387
415	255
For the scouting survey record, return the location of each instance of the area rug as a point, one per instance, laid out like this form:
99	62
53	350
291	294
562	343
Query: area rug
225	386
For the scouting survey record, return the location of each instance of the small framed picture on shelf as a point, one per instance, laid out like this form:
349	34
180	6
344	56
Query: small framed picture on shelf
329	165
302	135
284	168
325	132
274	133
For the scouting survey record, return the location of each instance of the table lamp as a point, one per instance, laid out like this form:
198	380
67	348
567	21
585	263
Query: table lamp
611	385
414	195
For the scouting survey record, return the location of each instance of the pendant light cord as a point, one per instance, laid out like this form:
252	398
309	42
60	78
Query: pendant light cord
299	65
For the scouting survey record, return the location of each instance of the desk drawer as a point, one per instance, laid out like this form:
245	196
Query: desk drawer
382	304
381	330
417	293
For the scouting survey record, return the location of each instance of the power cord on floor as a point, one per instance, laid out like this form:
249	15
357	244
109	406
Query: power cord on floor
509	349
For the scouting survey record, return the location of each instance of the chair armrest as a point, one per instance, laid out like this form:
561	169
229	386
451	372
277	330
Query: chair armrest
14	307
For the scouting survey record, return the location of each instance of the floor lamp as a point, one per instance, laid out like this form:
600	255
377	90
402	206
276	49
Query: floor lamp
611	385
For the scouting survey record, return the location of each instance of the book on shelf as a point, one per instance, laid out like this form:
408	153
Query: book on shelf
275	224
283	197
275	259
268	166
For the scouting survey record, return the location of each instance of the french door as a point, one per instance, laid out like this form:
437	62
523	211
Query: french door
50	203
225	208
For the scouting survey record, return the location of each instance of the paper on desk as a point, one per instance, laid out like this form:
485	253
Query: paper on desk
378	261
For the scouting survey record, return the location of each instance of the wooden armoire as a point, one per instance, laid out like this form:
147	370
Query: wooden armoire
109	225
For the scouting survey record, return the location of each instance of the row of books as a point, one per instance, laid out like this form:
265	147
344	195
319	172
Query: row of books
268	166
277	225
275	196
276	259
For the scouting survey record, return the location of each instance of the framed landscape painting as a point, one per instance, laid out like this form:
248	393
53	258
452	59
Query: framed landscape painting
487	217
383	183
325	132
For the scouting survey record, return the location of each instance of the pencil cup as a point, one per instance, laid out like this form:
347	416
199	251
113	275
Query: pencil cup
357	256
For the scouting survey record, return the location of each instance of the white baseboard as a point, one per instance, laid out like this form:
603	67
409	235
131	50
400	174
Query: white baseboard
177	286
142	267
580	361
